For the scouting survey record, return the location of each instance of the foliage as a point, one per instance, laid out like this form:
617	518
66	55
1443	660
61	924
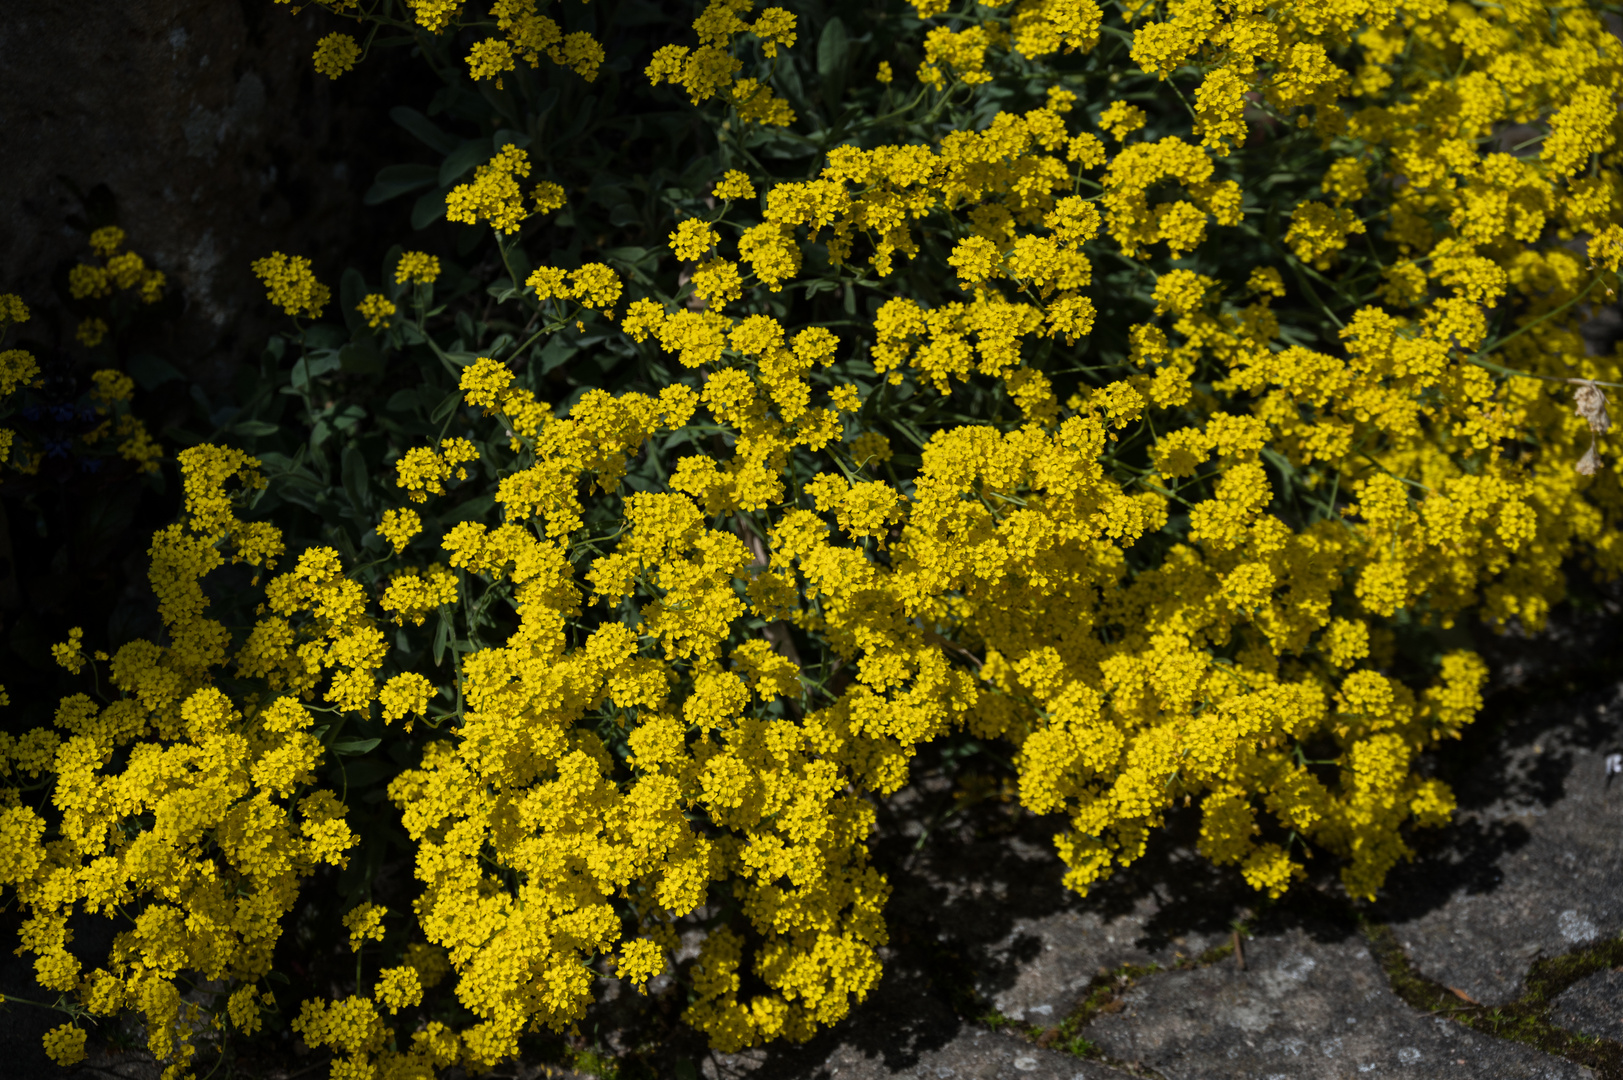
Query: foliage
1114	385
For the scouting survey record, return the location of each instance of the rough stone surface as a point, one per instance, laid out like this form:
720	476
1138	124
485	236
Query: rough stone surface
1593	1006
990	891
1311	1003
1533	865
971	1054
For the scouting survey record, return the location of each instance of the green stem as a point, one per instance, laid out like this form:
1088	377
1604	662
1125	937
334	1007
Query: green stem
1476	357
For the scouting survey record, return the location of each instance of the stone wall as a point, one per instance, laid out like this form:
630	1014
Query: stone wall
208	125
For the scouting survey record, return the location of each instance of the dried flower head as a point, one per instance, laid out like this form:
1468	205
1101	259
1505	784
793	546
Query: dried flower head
1590	404
1589	464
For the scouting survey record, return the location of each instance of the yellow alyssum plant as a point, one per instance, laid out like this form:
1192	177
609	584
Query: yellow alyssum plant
1180	584
175	806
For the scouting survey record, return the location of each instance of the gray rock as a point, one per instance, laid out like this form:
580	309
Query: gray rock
209	126
1533	865
1593	1006
972	1054
994	897
1310	1004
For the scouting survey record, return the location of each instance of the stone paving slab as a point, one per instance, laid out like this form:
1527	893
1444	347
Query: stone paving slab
1533	865
996	899
1593	1006
1310	1005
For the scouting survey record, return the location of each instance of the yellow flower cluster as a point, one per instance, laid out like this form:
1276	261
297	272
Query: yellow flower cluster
645	741
292	285
494	194
117	272
376	309
708	71
423	472
336	54
527	35
171	802
417	268
594	285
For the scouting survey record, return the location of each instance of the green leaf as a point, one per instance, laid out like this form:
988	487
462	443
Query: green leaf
442	638
356	479
320	363
362	774
582	118
630	256
255	429
507	135
424	128
429	207
471	153
351	291
403	401
391	259
394	181
446	408
360	358
352	747
151	372
555	353
324	336
833	46
519	262
546	102
699	173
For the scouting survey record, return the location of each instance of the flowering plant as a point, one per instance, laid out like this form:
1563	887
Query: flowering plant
1150	390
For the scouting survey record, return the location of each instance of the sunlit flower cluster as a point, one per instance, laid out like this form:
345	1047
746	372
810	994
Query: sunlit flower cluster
1210	624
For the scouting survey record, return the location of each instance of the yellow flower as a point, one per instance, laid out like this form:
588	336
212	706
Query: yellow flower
692	239
106	240
17	368
291	284
774	27
70	653
65	1044
734	185
416	267
377	309
595	285
493	195
12	310
364	922
336	54
91	332
404	695
399	526
1121	119
423	472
